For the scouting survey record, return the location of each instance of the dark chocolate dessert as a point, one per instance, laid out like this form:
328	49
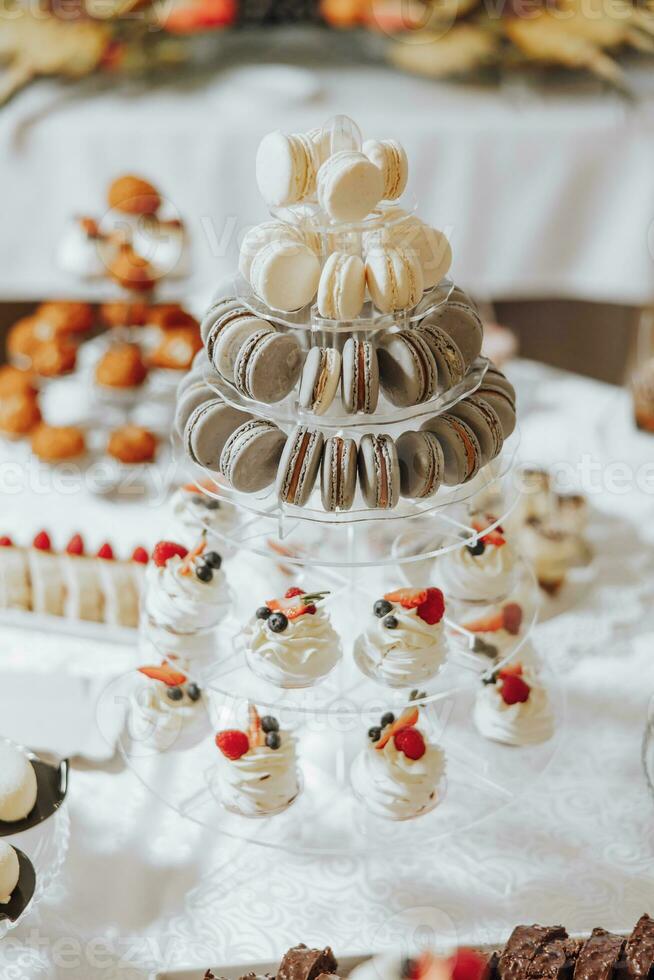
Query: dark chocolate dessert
639	951
302	963
525	944
599	955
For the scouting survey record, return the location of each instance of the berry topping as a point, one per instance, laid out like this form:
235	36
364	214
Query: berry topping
494	537
194	692
487	649
374	733
106	552
411	742
269	724
188	564
293	592
232	743
510	670
204	572
387	719
432	610
407	598
42	541
382	608
175	693
467	964
508	618
278	622
164	673
514	689
165	550
75	546
273	740
140	555
477	549
298	604
213	559
390	623
255	731
407	719
263	612
6	542
212	504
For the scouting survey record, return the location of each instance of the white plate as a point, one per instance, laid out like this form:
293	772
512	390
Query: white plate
81	629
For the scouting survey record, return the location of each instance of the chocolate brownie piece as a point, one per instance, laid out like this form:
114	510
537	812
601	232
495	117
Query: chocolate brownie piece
639	951
599	955
555	960
525	942
302	963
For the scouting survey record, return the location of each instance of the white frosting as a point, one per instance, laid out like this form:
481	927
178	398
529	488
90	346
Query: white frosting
191	515
9	871
551	550
262	781
17	783
487	576
83	596
14	580
157	721
47	582
183	603
410	654
120	594
525	723
303	653
395	787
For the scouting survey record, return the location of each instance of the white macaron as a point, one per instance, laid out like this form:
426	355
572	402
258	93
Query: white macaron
390	159
342	287
285	275
349	186
286	168
394	278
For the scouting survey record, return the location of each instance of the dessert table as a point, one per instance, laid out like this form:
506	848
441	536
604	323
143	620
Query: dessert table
144	890
497	168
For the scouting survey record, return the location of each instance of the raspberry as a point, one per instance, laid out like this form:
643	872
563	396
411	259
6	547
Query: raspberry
42	541
75	546
140	555
411	742
233	743
408	598
514	690
467	964
432	609
6	542
292	592
165	550
106	552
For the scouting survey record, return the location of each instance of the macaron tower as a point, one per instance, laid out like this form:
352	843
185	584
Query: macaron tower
399	774
513	707
405	643
257	767
291	641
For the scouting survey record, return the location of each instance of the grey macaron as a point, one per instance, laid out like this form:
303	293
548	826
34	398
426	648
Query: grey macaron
299	465
338	473
227	338
407	369
193	396
421	462
207	430
268	366
359	376
463	324
250	456
461	449
379	471
484	422
449	359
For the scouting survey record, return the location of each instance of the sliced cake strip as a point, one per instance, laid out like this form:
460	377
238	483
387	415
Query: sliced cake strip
639	951
599	956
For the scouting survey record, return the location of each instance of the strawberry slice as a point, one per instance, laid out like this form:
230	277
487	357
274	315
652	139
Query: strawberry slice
290	606
164	673
514	690
255	732
187	565
511	670
432	609
406	720
293	592
468	964
408	598
508	618
494	537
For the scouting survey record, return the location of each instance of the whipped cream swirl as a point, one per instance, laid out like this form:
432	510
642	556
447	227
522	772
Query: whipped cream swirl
487	576
303	653
411	653
182	603
263	781
524	723
395	787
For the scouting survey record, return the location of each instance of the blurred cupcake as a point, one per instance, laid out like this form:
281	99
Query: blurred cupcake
131	444
65	317
19	414
132	271
513	708
117	315
133	195
55	444
167	709
483	571
16	381
552	551
54	358
121	366
177	349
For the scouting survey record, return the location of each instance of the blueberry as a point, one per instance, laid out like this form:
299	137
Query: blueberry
382	607
273	740
213	559
204	572
477	549
390	623
175	693
374	733
278	622
387	719
197	500
213	505
193	692
269	724
263	612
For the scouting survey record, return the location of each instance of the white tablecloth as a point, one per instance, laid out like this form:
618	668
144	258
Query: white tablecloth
541	195
141	887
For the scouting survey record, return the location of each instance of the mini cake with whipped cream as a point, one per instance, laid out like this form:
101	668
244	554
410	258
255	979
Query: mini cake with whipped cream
83	595
18	787
492	630
513	708
15	590
194	512
291	641
406	642
186	591
46	577
482	571
552	551
9	872
166	709
257	768
399	774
